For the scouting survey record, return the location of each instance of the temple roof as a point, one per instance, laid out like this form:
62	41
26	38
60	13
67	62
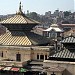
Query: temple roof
19	18
68	53
69	39
9	39
54	27
19	34
22	39
64	54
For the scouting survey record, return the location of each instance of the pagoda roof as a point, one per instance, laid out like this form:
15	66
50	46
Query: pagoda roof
19	19
64	54
17	38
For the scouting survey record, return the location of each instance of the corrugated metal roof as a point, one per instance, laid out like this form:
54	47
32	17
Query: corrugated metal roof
19	19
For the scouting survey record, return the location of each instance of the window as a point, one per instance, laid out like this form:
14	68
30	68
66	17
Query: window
18	57
2	54
42	57
37	56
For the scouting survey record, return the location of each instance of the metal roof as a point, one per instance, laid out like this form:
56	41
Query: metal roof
70	39
21	38
19	19
9	39
64	54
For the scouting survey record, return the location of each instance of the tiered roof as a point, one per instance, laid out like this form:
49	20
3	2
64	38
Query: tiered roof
19	18
68	53
19	27
21	39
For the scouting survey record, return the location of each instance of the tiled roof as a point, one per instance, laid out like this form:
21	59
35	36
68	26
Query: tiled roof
64	54
19	19
20	38
69	39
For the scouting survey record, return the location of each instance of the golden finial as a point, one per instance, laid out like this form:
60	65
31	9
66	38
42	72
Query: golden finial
20	7
20	10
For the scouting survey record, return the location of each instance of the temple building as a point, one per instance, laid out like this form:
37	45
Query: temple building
19	44
62	62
